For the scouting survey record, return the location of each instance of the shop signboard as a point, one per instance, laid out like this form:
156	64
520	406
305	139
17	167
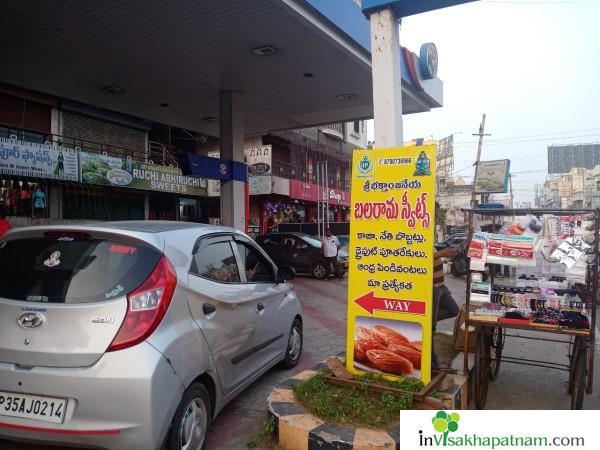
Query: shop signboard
492	176
338	197
258	160
111	171
281	186
214	186
260	185
390	280
28	159
302	190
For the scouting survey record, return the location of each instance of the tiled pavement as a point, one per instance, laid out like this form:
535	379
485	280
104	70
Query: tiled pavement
324	311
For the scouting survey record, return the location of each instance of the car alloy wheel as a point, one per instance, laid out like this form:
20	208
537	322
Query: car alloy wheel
320	271
294	347
295	344
193	426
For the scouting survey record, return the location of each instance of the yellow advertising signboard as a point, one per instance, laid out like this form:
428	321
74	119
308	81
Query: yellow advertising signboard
390	279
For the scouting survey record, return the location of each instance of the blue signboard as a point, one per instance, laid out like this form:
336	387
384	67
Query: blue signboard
213	168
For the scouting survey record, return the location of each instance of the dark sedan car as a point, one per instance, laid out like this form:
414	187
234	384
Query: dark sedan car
301	253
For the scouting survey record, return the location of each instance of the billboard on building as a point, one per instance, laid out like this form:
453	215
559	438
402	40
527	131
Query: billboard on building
562	158
445	157
258	160
111	171
28	159
492	176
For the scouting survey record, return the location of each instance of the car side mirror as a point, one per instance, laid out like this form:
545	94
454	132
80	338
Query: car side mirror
285	273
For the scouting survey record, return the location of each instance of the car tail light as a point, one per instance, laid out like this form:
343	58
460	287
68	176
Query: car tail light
146	306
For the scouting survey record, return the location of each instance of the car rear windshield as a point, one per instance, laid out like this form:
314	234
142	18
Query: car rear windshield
72	270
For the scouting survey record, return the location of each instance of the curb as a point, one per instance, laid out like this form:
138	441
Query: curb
301	430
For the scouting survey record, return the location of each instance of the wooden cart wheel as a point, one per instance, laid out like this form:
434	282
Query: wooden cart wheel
579	371
481	369
497	344
578	345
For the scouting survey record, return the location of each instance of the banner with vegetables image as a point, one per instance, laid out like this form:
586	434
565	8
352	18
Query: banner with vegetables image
111	171
390	279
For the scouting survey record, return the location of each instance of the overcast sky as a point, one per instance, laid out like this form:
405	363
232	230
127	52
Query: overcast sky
533	66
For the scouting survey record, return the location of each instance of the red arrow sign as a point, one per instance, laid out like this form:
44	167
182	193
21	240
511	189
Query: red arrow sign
371	303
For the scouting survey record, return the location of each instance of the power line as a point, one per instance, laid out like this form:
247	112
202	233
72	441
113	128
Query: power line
554	133
520	141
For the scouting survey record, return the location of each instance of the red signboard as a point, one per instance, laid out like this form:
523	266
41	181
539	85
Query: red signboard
307	191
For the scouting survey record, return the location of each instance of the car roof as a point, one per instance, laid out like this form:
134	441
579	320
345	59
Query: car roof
140	226
161	226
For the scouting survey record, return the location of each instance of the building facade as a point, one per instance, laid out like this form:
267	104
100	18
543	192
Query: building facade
570	190
63	161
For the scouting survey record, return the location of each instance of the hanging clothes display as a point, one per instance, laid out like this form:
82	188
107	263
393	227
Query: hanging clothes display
39	202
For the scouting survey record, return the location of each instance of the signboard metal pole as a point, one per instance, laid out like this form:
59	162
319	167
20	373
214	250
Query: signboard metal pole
318	202
326	192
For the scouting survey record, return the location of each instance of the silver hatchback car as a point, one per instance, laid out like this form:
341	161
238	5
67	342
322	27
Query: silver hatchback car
134	335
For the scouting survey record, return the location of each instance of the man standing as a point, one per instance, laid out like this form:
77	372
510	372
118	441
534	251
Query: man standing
444	305
331	245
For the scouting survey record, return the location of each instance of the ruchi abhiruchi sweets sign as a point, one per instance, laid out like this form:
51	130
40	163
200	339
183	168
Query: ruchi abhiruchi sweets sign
111	171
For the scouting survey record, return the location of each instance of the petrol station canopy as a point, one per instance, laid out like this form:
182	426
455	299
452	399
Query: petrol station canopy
297	63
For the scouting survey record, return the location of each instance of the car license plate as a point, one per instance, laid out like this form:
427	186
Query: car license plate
26	406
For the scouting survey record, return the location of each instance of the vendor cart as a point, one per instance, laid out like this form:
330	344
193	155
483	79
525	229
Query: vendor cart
492	331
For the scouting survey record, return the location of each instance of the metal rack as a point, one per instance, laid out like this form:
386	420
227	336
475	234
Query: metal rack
491	336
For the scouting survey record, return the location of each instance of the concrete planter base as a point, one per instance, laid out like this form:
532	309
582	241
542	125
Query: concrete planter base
300	430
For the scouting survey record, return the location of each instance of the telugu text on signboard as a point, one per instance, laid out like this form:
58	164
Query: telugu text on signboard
29	159
391	261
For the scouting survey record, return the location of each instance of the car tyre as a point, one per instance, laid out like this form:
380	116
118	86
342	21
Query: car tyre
319	271
189	429
294	346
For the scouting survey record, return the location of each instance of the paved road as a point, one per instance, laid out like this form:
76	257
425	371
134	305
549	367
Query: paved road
324	306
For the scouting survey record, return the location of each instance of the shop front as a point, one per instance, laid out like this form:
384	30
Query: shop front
170	195
334	202
51	182
29	172
270	203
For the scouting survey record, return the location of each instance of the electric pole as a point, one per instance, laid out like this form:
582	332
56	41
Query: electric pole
511	191
481	134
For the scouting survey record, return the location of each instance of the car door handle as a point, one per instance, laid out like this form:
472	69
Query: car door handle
261	308
208	308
